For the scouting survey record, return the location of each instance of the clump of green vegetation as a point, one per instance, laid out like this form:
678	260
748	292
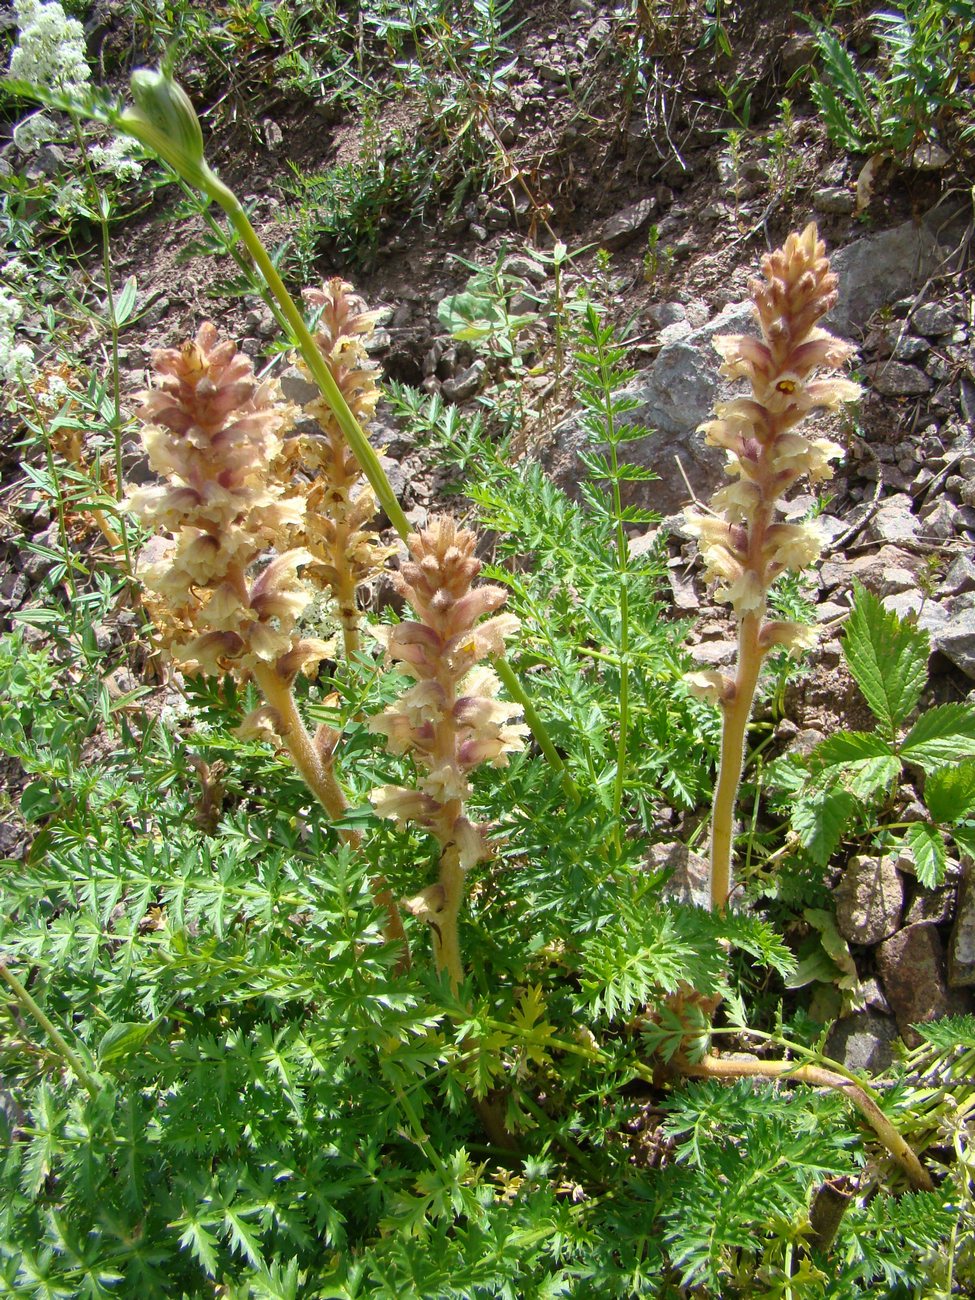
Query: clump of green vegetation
344	971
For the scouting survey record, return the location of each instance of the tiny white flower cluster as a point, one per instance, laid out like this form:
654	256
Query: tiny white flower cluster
50	48
16	359
116	157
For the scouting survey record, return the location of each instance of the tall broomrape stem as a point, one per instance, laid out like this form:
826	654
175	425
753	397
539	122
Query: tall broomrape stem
743	544
712	1067
450	720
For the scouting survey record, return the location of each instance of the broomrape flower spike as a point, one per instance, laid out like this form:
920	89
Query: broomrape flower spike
338	502
212	430
743	545
451	719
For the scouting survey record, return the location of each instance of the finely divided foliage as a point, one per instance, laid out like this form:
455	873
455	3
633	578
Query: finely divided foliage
329	975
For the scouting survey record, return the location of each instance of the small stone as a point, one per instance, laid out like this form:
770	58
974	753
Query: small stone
961	947
894	379
525	268
297	388
13	590
553	72
807	740
956	640
625	225
909	348
895	521
916	605
937	368
932	320
689	883
873	995
863	1042
869	900
911	965
466	383
661	314
960	577
479	232
940	521
934	905
715	654
929	156
835	200
273	135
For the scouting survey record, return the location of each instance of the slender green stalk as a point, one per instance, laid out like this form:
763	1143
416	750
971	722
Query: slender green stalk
69	1057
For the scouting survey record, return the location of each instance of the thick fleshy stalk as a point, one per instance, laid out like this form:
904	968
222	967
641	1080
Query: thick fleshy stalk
745	547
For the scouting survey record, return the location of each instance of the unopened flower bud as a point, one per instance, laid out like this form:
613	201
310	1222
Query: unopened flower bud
164	119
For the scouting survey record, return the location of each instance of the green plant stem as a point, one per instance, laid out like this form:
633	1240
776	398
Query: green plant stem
545	743
736	714
69	1057
351	429
715	1067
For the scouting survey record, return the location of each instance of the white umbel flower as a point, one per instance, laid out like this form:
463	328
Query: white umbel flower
50	48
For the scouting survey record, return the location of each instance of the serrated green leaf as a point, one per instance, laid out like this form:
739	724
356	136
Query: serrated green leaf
942	735
928	849
819	821
964	837
949	792
888	658
202	1244
851	747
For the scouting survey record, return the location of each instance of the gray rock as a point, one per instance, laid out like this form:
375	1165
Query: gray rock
961	947
895	379
884	572
689	881
273	135
13	590
895	521
526	268
909	348
929	156
662	314
714	654
956	640
869	900
940	521
932	320
295	387
466	383
960	577
834	200
864	1042
625	225
911	965
879	269
928	614
934	905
